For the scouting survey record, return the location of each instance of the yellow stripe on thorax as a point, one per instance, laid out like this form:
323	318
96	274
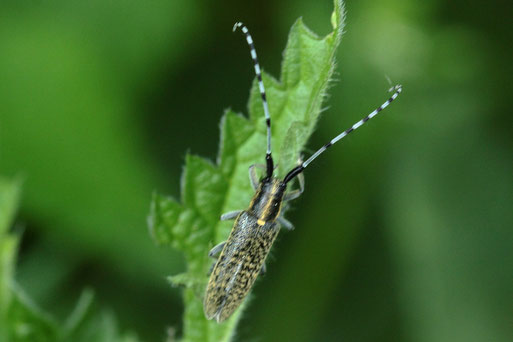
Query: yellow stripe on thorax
257	193
267	207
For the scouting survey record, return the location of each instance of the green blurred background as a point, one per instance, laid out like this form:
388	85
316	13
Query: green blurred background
405	231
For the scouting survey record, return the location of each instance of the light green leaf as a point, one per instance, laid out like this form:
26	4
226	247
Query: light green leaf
208	190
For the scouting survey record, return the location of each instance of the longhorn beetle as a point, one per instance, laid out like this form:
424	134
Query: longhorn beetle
241	258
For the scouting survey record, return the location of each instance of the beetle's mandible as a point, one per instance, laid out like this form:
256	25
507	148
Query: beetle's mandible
241	258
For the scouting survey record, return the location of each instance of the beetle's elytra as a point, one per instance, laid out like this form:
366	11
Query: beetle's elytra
245	251
242	257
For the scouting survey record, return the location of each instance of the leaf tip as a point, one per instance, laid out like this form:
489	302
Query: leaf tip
338	17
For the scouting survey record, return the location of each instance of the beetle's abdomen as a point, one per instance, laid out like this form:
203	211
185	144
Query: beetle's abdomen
238	265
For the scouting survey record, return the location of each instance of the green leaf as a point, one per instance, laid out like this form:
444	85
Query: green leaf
9	193
208	190
20	318
26	322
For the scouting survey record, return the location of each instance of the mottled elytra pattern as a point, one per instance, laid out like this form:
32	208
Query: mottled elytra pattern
238	265
244	253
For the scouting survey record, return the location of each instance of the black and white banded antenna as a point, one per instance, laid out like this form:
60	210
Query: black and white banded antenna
298	169
258	72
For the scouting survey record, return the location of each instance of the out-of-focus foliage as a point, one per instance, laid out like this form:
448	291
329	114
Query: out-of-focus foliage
20	319
9	194
404	232
209	190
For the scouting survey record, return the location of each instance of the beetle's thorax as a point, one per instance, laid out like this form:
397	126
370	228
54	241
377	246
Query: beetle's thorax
266	204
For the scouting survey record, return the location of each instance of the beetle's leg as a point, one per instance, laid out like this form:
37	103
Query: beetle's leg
296	193
253	176
263	270
211	269
231	215
285	223
214	252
